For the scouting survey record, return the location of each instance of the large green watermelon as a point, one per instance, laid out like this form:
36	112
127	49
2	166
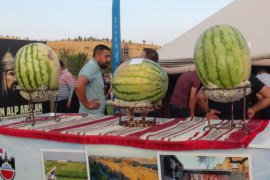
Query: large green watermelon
222	57
37	65
140	79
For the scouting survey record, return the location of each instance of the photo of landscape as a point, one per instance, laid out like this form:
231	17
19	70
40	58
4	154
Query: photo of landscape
123	168
60	165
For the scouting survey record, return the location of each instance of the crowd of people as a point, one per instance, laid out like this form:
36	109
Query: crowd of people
92	89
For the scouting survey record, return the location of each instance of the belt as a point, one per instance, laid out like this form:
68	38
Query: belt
176	107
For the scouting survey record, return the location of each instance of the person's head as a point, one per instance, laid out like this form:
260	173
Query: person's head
9	81
62	65
150	54
102	55
8	78
262	70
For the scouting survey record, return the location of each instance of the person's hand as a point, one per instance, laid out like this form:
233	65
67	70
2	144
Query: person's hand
93	104
68	105
250	113
213	114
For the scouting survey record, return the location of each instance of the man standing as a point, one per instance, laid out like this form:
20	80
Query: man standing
150	54
90	86
218	110
264	76
66	88
183	100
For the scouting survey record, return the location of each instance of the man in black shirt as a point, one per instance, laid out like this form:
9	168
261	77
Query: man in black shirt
218	110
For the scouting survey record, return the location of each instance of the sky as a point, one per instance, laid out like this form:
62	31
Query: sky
152	21
191	162
68	156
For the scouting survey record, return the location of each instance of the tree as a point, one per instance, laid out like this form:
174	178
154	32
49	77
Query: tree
80	38
74	62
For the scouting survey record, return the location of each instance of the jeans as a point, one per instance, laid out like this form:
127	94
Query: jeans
177	112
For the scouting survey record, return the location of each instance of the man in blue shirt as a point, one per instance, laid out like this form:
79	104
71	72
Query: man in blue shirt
90	86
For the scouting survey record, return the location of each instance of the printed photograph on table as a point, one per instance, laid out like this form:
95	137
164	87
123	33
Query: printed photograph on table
127	168
64	165
7	165
204	166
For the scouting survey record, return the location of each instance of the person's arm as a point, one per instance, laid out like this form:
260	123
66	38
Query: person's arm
213	114
201	101
80	91
192	101
71	85
109	92
262	103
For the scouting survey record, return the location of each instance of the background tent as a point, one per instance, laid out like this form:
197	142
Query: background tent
248	16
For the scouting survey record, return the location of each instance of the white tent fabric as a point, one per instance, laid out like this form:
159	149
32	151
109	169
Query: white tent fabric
248	16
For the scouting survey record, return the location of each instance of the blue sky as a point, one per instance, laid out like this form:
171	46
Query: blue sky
69	156
155	21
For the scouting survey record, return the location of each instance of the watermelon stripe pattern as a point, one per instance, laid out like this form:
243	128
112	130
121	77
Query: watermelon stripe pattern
222	57
37	65
136	82
34	64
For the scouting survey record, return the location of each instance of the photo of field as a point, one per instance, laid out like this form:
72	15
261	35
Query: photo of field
122	168
64	165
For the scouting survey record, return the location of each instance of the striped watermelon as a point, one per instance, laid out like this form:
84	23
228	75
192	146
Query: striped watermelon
37	65
222	57
140	79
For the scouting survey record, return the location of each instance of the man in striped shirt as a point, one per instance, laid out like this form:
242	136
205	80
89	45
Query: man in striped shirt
66	88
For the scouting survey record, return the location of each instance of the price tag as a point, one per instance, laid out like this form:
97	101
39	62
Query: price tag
136	61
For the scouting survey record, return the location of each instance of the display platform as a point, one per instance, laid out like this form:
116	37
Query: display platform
168	134
88	147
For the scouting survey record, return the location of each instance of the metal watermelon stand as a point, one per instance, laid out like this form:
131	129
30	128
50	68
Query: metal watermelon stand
140	112
40	95
239	124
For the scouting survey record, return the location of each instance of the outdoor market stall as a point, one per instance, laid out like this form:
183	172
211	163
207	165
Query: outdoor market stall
95	136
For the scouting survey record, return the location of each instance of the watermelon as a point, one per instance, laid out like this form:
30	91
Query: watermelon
36	66
140	80
222	57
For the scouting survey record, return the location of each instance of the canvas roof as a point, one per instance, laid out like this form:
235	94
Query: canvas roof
250	17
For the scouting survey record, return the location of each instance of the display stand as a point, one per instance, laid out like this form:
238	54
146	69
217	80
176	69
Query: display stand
142	112
240	124
31	114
